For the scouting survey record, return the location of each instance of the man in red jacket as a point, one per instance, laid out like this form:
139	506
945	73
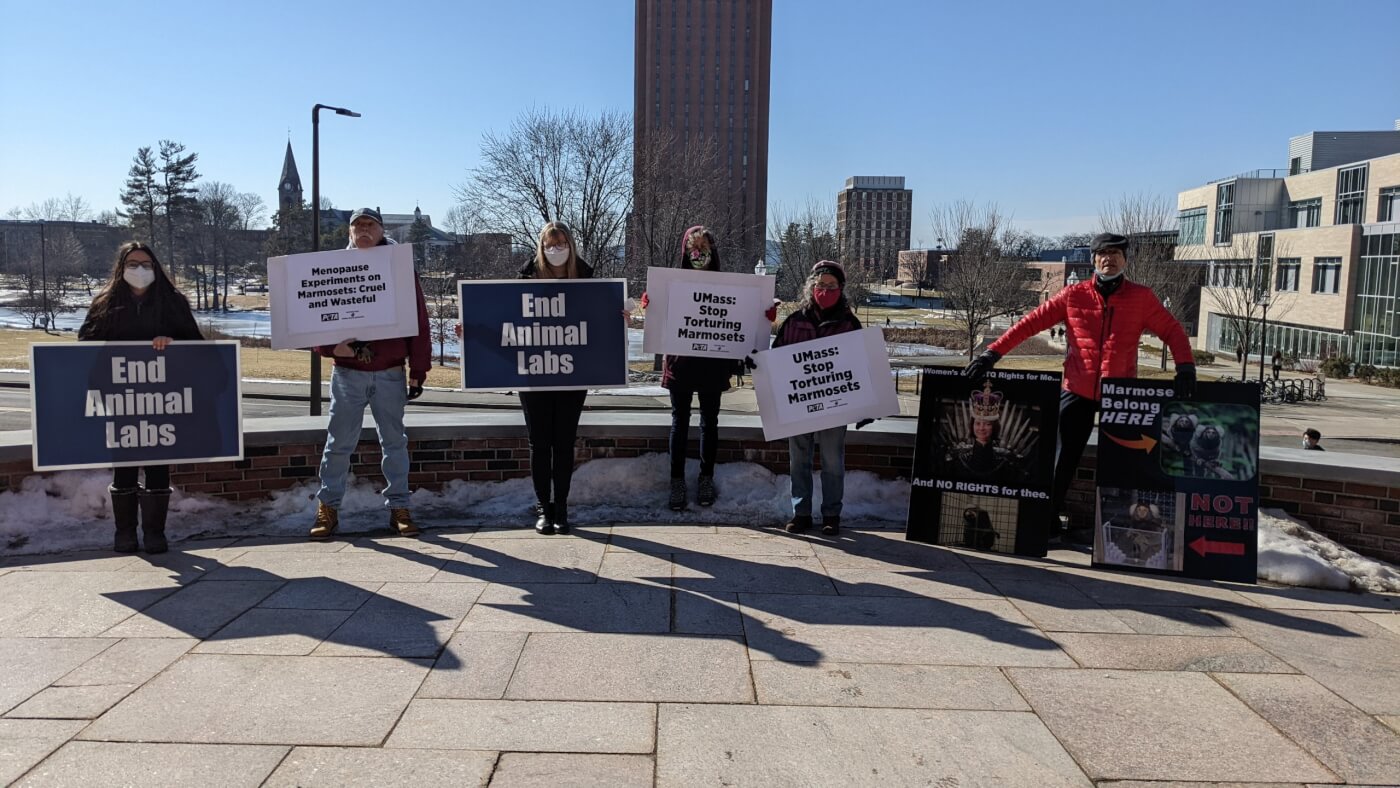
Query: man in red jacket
1104	319
372	374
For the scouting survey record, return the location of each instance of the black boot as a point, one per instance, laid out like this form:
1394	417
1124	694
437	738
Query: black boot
124	516
154	505
561	518
545	525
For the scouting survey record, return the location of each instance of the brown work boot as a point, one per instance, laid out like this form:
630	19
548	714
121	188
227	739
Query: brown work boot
327	520
401	523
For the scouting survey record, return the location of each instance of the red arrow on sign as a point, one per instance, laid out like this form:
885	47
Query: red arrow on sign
1144	442
1204	546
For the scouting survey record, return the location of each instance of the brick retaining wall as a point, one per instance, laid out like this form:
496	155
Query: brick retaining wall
1356	506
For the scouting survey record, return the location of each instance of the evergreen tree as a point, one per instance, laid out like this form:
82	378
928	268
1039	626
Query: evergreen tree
176	193
140	196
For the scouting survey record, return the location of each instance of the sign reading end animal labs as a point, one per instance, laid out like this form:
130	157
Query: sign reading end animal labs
324	298
104	404
543	334
706	313
824	383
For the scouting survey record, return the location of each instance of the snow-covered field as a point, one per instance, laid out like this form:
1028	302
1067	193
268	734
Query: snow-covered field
70	511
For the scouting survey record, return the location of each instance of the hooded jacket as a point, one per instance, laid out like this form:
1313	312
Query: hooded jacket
391	353
696	373
1102	333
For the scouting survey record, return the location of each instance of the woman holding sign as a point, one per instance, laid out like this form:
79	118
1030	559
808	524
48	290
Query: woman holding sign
551	417
822	312
139	304
686	377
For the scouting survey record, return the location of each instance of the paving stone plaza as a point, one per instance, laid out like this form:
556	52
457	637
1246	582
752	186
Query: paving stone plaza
678	655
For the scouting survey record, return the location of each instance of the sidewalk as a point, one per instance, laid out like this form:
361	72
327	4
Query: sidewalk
677	655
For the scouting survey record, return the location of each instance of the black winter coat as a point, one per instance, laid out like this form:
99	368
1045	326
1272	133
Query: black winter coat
141	321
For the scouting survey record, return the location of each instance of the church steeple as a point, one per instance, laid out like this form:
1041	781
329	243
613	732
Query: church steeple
289	186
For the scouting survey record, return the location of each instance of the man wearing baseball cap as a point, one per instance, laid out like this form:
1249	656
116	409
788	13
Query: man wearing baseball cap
372	374
1104	318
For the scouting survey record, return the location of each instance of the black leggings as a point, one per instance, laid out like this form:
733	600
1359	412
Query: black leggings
680	429
1076	422
157	477
551	421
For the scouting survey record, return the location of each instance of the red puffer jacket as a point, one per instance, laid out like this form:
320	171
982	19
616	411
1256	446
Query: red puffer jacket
1102	334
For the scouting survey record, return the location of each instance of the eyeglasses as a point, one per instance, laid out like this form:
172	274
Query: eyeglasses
826	287
140	264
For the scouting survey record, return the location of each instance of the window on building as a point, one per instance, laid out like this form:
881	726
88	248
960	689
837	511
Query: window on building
1327	273
1295	165
1305	213
1389	210
1224	212
1351	195
1191	227
1287	278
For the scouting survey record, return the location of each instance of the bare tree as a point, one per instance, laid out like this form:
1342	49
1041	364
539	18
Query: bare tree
805	235
556	166
677	185
1242	289
978	284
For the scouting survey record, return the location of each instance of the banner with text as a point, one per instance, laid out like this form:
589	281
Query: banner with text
824	383
984	460
543	334
706	313
104	404
1178	480
324	298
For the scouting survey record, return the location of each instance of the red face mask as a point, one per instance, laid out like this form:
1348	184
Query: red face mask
826	299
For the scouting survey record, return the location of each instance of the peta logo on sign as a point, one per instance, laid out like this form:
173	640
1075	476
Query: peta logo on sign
329	316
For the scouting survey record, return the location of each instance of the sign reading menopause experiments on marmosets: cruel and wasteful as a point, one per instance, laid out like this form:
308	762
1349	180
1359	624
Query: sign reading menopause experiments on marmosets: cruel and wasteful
984	460
1178	480
824	383
706	313
325	298
103	404
543	334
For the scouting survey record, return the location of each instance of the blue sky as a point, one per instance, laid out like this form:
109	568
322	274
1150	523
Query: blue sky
1047	108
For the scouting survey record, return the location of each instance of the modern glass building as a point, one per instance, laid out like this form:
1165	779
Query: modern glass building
1378	297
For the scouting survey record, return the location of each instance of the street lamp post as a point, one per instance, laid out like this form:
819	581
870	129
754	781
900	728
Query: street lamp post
1263	332
316	227
44	269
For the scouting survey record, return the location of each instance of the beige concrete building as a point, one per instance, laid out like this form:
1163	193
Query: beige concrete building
873	221
1309	253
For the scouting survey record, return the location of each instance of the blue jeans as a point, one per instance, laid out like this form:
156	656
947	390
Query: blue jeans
832	443
386	393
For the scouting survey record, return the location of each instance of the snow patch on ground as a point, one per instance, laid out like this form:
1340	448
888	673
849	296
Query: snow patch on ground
1291	553
71	511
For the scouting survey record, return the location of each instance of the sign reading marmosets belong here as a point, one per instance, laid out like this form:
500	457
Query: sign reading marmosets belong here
706	313
824	383
543	334
324	298
104	404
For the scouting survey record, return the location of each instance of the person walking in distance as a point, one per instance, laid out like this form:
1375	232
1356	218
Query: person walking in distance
371	374
1104	318
139	304
1311	438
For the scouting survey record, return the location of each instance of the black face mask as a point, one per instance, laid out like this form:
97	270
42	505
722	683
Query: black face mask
1107	287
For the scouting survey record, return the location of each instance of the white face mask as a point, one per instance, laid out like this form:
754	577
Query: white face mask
139	278
556	255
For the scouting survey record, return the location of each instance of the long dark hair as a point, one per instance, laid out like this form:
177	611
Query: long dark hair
117	295
699	229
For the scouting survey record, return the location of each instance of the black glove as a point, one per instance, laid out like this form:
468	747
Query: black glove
864	423
1185	381
981	365
748	363
415	390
